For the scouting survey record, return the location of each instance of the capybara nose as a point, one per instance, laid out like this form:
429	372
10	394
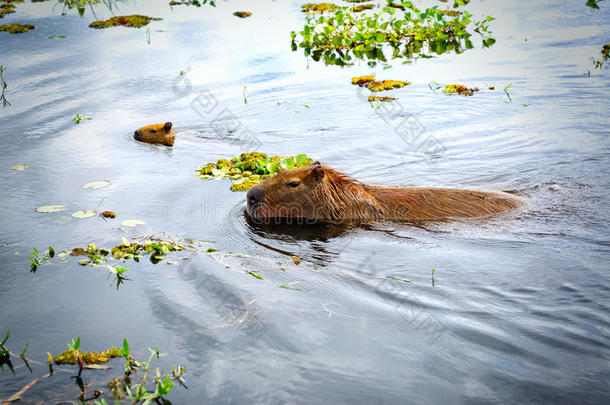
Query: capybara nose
137	135
255	195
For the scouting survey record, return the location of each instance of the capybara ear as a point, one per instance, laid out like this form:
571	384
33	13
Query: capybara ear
318	171
316	163
167	126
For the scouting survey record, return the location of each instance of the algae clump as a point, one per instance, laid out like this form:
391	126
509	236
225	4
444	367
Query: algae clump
69	356
318	7
459	89
16	28
134	21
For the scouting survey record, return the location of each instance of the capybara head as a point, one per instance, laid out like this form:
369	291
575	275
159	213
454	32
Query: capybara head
162	134
315	192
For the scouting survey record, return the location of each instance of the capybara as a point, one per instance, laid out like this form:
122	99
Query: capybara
162	134
319	193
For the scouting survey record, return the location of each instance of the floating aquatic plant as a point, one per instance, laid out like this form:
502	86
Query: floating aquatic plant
318	7
242	14
96	185
19	167
80	117
131	223
51	208
16	28
459	89
380	98
403	29
134	21
82	214
249	169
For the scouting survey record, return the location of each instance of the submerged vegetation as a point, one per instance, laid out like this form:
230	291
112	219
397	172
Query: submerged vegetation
405	30
134	21
249	169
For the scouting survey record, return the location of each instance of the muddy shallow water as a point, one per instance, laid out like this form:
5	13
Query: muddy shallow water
515	311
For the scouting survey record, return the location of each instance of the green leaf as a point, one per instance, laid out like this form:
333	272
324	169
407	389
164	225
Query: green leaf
51	208
253	274
125	347
8	334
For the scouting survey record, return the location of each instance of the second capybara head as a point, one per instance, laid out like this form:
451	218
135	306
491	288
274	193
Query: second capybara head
162	134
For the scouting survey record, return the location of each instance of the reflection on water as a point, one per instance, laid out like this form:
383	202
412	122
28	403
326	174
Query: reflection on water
518	308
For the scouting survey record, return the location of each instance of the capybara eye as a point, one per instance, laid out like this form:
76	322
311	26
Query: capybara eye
294	184
154	131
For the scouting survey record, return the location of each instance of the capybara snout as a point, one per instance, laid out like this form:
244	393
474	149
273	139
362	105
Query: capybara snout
162	134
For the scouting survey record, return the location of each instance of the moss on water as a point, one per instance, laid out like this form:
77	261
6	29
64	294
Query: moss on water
318	7
16	28
134	21
69	356
378	98
362	7
459	89
376	86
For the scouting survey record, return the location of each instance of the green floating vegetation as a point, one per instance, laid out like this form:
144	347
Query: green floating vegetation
362	7
70	356
134	21
318	7
127	250
459	89
16	28
195	3
6	8
249	169
376	86
402	29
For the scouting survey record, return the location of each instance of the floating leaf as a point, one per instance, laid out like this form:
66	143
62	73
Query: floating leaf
253	274
19	167
51	208
96	185
83	214
132	222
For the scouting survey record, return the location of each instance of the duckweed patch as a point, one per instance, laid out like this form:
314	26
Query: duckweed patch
401	29
16	28
70	357
134	21
249	169
459	89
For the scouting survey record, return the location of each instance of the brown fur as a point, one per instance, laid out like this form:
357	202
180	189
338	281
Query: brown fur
162	134
320	193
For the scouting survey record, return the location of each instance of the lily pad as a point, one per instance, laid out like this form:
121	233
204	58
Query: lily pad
51	208
132	222
96	185
19	167
83	214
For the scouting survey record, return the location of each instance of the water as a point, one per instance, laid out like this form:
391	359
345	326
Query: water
517	308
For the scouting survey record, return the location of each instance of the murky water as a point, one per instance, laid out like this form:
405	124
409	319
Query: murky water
515	311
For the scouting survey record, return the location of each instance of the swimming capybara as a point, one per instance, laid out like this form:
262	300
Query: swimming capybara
162	134
319	193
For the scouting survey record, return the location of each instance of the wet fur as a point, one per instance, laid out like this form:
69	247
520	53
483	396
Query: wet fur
327	195
162	134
